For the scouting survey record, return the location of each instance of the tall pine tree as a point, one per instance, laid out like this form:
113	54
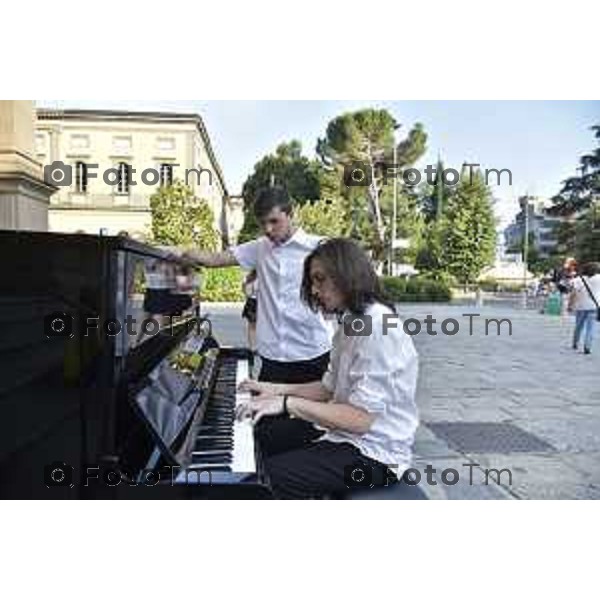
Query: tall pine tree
469	230
434	201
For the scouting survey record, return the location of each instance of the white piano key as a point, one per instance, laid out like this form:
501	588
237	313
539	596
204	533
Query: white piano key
241	372
243	447
243	436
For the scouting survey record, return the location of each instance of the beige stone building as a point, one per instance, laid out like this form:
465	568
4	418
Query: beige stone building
114	161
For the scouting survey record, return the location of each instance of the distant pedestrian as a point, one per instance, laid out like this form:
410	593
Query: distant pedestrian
564	282
585	301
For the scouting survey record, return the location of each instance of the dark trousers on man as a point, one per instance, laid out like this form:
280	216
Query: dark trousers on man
300	371
296	464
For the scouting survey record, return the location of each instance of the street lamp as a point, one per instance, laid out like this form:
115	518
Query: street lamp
395	200
526	242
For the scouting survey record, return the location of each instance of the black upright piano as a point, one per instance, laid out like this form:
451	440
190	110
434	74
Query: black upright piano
90	406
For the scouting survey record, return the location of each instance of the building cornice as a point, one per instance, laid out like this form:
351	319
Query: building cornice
23	178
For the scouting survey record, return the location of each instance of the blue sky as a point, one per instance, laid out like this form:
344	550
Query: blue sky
539	141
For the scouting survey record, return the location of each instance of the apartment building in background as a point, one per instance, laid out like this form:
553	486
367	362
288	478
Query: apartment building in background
542	228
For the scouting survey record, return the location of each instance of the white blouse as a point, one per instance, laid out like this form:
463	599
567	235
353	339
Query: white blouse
377	373
583	300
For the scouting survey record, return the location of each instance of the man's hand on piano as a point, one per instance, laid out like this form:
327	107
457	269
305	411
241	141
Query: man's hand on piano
260	388
260	407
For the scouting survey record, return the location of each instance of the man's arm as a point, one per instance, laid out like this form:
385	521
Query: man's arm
333	415
211	259
313	390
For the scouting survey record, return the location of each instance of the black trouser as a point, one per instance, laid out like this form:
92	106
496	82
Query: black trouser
300	371
299	466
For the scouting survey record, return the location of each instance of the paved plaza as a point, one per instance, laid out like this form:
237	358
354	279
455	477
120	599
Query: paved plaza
525	402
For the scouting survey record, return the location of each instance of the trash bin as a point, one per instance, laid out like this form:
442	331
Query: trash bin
553	304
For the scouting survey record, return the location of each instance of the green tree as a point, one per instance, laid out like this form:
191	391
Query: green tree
578	202
587	235
469	235
579	193
181	219
324	217
287	167
430	252
366	138
410	224
434	199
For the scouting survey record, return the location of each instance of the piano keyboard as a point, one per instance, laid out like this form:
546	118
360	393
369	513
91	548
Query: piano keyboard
224	443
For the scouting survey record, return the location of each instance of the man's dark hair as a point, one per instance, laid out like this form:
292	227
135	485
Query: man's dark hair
269	198
352	273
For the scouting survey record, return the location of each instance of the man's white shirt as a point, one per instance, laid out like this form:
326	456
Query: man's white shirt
286	329
377	373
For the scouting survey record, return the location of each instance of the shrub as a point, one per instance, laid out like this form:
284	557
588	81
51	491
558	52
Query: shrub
222	285
511	287
416	289
488	285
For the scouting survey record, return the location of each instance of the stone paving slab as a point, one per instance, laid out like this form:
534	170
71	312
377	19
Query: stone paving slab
470	484
541	476
567	433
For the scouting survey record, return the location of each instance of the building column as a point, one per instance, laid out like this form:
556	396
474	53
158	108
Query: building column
24	196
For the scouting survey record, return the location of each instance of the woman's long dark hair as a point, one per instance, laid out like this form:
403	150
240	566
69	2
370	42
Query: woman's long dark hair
352	272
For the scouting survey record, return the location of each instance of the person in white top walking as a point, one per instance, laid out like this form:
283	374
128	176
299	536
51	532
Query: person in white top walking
585	301
292	341
362	413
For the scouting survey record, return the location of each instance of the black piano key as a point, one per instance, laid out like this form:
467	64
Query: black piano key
217	459
201	443
212	453
212	445
215	429
204	467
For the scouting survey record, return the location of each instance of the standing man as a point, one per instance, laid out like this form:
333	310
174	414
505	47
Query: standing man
292	341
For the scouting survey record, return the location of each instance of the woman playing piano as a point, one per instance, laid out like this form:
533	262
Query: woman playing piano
356	426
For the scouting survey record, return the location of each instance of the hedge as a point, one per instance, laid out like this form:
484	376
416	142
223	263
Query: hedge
416	289
225	285
222	285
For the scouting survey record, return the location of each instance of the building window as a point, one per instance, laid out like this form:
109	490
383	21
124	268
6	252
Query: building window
80	142
122	145
40	143
166	175
123	178
165	144
81	178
